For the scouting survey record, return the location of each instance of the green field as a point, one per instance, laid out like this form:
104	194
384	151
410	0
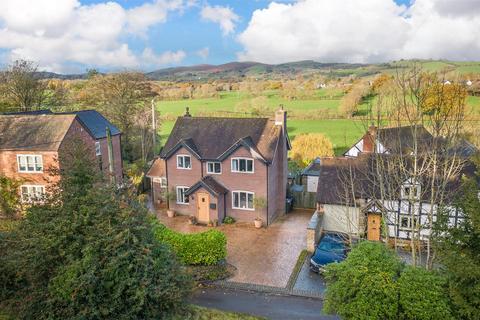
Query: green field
342	133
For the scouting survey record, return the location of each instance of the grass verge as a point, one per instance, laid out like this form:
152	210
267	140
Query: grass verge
296	270
194	312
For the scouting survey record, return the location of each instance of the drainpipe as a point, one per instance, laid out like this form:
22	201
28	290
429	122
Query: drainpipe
110	156
267	195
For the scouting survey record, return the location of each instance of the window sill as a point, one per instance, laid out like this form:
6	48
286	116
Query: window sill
244	209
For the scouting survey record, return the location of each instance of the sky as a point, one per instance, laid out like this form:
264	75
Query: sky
69	36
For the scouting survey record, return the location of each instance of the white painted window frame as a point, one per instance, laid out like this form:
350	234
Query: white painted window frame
410	221
214	163
184	156
242	158
26	161
31	186
177	189
98	148
246	192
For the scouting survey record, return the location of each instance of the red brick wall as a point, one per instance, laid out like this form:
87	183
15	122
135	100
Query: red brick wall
9	168
277	181
117	156
253	182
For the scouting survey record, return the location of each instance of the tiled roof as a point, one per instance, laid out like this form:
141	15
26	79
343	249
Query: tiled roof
210	184
212	137
158	169
44	132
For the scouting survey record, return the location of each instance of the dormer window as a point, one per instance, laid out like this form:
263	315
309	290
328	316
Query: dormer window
184	162
411	191
242	165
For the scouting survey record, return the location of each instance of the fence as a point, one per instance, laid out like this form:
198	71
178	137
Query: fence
304	199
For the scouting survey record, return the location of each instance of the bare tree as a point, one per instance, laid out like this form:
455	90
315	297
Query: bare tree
21	88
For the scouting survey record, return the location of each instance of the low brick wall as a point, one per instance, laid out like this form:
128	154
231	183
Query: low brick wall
314	230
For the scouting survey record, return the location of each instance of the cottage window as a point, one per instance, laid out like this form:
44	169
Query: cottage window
30	163
242	165
214	167
162	181
407	222
184	162
181	197
98	151
242	200
411	191
32	193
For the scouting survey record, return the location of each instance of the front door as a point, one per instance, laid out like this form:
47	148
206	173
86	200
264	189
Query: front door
203	203
373	226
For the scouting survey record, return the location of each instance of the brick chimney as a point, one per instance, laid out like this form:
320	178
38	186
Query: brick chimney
369	140
281	118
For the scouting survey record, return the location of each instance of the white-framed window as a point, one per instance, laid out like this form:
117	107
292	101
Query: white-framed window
181	197
242	200
411	191
29	163
184	161
32	193
162	181
98	150
242	165
214	167
407	222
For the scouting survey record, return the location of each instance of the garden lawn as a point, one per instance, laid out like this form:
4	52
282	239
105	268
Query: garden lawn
342	132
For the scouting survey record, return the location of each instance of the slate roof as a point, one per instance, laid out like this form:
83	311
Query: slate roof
44	132
210	184
96	123
313	169
211	138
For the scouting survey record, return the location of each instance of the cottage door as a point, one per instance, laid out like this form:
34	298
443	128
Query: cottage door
203	203
373	226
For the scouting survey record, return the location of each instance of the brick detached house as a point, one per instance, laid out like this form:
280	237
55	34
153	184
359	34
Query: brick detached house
350	200
219	167
31	145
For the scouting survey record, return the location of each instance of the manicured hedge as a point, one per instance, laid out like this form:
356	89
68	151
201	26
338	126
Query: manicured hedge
205	248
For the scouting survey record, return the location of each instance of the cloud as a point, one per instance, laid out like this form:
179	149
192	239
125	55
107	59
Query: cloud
203	53
168	57
63	34
224	16
362	31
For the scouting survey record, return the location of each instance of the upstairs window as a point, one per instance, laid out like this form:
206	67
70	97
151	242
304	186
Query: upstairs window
30	163
98	151
214	167
32	193
242	165
411	191
407	222
184	162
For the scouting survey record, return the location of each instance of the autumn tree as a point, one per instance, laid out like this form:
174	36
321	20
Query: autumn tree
306	147
20	87
124	98
351	101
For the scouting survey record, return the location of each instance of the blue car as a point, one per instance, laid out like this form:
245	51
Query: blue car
332	247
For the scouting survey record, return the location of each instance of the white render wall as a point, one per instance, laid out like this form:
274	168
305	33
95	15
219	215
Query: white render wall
341	219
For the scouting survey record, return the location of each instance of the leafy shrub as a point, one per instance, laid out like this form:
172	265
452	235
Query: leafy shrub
205	248
229	220
308	146
363	286
423	295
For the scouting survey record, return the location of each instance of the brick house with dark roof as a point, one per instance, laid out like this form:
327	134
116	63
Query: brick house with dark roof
217	167
31	145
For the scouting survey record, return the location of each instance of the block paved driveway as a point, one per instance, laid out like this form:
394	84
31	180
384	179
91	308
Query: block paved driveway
264	256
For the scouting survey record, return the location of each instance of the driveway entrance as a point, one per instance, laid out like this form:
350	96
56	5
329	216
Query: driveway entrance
264	256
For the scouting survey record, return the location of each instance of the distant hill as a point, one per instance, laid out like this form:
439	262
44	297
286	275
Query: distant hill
238	70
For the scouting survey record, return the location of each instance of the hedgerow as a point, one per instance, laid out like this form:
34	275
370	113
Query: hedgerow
205	248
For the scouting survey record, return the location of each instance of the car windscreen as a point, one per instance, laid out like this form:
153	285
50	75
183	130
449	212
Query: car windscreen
331	245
